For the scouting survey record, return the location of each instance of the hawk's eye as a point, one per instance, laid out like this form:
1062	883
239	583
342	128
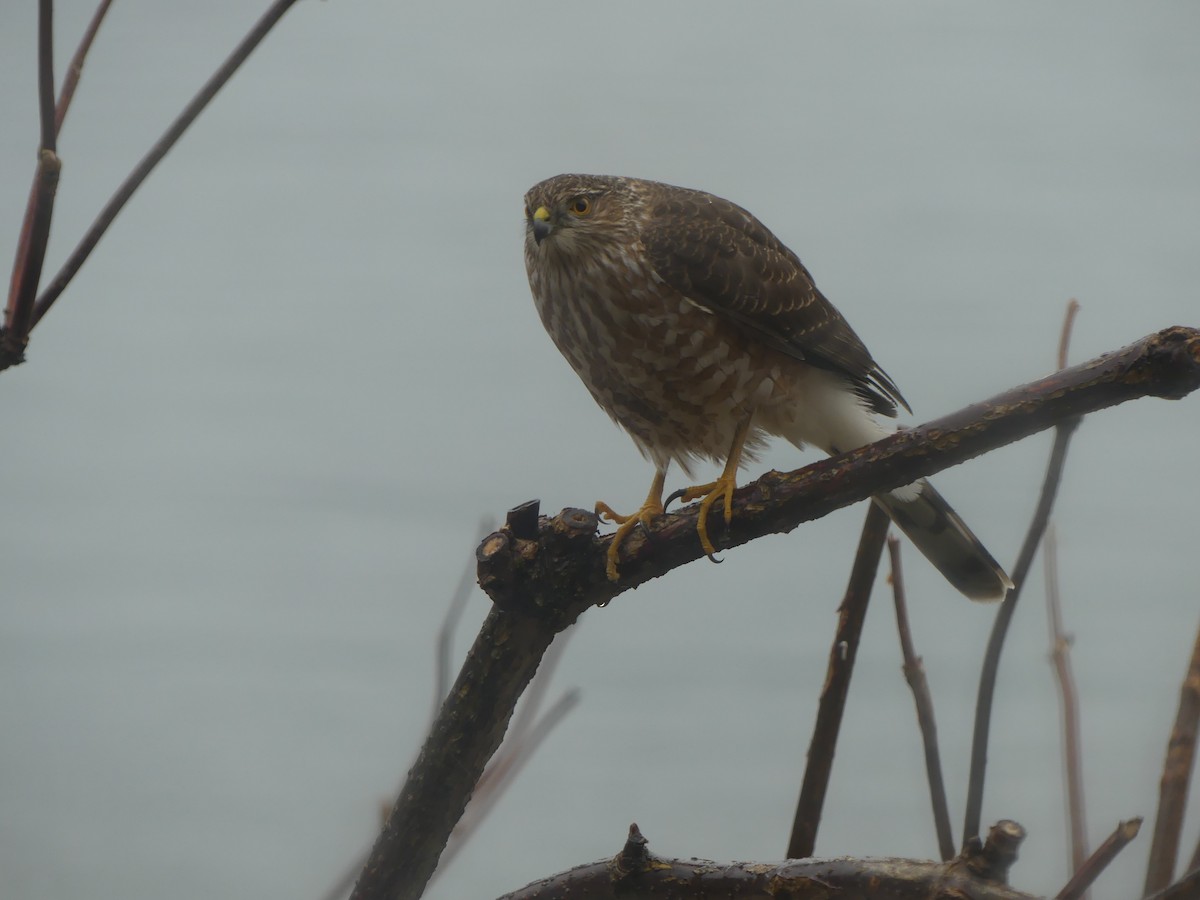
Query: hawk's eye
580	206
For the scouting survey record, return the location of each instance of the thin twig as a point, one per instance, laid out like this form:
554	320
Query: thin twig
1177	773
1064	337
837	685
1072	757
1060	655
75	69
155	155
991	661
503	771
1098	861
914	674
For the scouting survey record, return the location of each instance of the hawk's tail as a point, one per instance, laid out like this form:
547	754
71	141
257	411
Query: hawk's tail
946	541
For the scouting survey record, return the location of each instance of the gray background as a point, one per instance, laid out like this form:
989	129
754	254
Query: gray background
244	465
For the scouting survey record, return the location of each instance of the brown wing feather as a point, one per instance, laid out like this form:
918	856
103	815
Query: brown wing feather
721	257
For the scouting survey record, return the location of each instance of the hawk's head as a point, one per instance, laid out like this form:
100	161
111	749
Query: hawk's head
578	213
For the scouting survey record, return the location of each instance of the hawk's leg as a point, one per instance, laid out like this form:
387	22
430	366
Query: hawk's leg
651	508
722	488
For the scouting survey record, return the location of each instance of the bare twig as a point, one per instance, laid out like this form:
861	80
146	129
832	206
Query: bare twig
1060	645
1064	337
155	155
39	209
504	769
991	662
914	674
1060	655
1098	861
837	685
75	69
1177	773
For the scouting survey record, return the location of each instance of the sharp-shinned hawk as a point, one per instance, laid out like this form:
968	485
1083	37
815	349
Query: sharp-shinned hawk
701	334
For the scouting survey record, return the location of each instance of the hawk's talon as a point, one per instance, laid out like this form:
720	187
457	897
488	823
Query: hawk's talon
675	495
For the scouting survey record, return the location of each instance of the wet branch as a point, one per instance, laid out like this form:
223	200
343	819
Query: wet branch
520	574
979	873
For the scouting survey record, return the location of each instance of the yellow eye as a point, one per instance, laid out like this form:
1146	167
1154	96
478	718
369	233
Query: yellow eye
580	206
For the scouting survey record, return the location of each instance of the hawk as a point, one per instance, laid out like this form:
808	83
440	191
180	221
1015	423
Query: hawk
702	335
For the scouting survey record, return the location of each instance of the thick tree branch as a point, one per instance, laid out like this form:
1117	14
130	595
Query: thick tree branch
544	573
979	873
465	734
519	573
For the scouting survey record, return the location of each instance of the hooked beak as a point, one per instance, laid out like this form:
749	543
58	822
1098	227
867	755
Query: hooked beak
541	224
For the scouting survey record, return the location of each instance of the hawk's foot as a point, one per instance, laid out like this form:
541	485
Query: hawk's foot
648	512
651	508
708	495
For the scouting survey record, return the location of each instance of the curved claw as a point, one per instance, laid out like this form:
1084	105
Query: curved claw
712	558
674	495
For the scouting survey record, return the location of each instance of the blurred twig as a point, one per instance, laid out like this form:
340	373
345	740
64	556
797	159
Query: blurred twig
991	662
1173	787
914	674
443	665
837	685
1098	861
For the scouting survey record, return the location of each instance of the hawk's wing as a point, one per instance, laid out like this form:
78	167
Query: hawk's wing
722	258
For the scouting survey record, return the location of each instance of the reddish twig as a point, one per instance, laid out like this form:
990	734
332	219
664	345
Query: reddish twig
837	685
1060	645
39	209
75	69
914	674
1173	787
46	74
106	216
1098	861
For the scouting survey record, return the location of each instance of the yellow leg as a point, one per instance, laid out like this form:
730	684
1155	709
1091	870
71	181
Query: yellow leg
722	488
650	509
